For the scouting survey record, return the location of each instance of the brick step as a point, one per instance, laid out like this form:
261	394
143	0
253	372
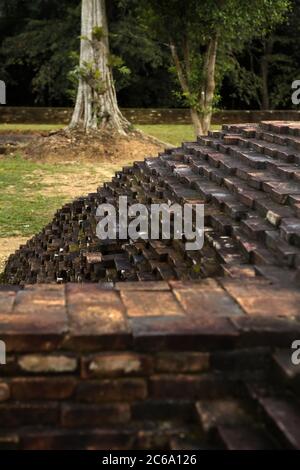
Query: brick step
280	152
254	250
285	370
279	127
228	426
244	437
280	139
281	414
207	190
263	224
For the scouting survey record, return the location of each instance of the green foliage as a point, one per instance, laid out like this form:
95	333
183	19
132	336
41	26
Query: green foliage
190	25
118	63
35	50
97	33
39	45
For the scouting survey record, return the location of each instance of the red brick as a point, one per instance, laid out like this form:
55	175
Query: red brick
42	299
29	388
124	390
79	416
150	304
32	332
97	318
262	298
207	298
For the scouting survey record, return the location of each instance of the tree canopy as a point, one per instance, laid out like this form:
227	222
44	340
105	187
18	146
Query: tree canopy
39	48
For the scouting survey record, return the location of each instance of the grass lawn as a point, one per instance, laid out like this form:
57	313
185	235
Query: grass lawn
173	134
23	207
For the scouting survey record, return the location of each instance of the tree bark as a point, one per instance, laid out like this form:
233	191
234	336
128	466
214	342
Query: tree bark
201	121
96	103
182	77
208	90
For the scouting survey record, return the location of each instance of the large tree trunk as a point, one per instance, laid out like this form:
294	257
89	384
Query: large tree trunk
209	85
96	104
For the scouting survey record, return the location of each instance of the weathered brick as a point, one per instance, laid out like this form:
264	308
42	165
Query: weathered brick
29	414
204	386
143	286
4	391
262	331
112	390
208	298
97	318
116	365
262	298
35	363
189	333
150	304
163	410
7	299
30	388
212	413
284	417
113	439
182	362
242	360
33	332
80	416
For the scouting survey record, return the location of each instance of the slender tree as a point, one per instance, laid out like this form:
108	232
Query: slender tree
96	104
202	36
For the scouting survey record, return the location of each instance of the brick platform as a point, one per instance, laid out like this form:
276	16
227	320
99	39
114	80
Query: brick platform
150	365
197	357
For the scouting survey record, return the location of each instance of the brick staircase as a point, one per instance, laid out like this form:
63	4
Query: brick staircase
247	177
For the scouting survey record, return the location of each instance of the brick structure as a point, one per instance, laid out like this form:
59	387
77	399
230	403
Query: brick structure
197	357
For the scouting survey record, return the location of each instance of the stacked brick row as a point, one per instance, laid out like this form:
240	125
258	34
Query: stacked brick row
247	177
150	366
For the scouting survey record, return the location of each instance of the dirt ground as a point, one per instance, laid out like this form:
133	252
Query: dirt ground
66	146
8	246
97	161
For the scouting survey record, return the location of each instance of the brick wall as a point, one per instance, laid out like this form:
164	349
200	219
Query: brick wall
23	115
98	367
